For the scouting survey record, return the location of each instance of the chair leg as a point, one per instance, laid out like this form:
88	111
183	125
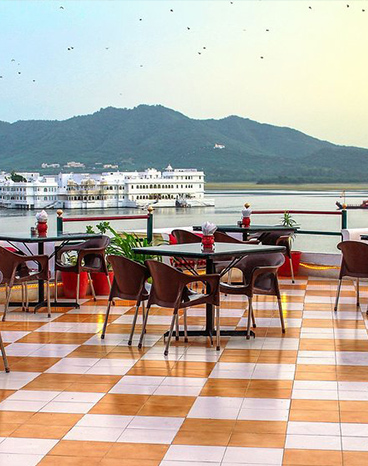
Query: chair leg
48	298
177	327
106	320
77	292
109	283
143	327
56	286
292	270
23	297
253	319
250	312
5	359
27	297
143	313
338	294
133	324
217	311
173	320
358	304
185	326
8	293
92	287
229	276
281	314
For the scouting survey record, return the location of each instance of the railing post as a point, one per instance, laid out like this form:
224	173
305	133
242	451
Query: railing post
150	224
59	222
344	219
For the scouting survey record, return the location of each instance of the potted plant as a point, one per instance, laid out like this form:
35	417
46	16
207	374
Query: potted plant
69	279
288	221
120	245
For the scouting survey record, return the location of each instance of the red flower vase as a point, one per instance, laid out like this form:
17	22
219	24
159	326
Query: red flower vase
208	242
42	228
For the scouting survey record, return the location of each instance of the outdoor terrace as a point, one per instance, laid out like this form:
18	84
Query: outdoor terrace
295	399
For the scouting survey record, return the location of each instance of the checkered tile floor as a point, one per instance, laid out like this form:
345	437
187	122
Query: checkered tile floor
294	399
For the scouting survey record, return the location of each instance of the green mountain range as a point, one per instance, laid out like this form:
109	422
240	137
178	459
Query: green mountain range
155	136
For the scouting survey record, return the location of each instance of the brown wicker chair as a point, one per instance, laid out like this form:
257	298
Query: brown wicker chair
280	238
129	283
16	271
2	348
354	264
170	290
259	278
185	237
90	258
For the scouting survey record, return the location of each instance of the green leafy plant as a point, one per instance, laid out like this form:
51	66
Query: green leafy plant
123	244
287	220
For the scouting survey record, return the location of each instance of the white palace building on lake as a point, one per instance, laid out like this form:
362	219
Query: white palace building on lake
170	188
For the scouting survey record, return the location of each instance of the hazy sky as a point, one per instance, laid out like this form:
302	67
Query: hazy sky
313	75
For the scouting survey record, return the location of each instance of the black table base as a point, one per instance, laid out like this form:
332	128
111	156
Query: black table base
38	305
205	333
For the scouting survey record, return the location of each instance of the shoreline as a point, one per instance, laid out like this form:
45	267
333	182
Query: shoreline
210	186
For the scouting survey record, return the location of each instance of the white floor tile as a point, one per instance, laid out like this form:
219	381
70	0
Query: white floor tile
12	459
313	442
94	434
259	456
194	453
28	446
147	436
104	420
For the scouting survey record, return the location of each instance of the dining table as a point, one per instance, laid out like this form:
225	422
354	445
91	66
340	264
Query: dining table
252	228
185	252
16	240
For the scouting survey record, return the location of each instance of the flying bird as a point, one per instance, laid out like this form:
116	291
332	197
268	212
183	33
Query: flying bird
140	19
61	8
172	11
310	7
19	72
267	30
204	48
188	28
34	80
262	58
13	59
347	6
107	48
199	53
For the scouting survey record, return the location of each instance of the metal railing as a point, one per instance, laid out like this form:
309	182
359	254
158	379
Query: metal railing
341	213
60	220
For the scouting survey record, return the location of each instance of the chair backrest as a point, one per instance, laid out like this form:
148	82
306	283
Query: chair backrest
96	243
185	237
249	263
221	237
129	278
354	259
7	262
271	237
167	284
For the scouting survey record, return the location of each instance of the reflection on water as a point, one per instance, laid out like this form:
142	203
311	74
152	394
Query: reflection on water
227	211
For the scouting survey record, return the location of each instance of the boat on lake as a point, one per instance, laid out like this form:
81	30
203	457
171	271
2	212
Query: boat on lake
363	205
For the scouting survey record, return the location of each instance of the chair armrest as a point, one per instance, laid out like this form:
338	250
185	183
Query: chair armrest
262	270
212	279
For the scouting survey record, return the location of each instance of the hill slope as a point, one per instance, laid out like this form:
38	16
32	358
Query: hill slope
154	136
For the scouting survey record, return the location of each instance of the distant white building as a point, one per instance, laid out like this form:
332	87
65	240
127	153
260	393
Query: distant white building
111	189
39	192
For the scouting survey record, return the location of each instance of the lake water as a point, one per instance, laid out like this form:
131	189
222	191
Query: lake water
227	211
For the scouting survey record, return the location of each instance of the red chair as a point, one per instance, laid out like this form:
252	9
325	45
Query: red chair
2	348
